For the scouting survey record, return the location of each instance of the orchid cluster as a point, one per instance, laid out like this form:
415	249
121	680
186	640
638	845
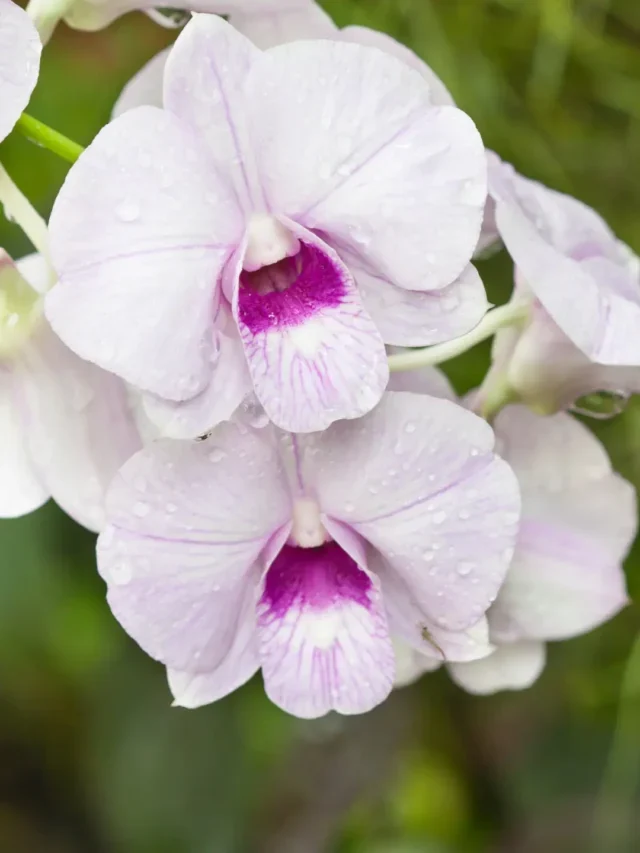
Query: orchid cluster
222	360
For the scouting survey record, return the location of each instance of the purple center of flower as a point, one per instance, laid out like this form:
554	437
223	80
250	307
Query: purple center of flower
315	578
290	291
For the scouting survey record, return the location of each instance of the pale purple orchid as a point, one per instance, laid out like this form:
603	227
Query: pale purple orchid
304	555
19	63
583	286
579	520
286	214
66	425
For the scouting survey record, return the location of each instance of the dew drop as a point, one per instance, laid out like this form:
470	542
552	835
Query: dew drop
141	509
217	455
410	427
601	405
439	517
465	567
128	211
120	573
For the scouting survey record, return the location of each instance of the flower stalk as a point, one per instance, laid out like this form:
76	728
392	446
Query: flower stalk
506	315
19	209
41	134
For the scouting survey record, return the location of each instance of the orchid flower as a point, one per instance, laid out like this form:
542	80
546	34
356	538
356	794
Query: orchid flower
583	286
579	519
287	214
305	555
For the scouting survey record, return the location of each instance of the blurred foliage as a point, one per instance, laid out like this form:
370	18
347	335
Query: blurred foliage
92	757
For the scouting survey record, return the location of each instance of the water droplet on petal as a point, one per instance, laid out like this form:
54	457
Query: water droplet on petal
128	211
120	573
141	509
601	405
465	567
217	455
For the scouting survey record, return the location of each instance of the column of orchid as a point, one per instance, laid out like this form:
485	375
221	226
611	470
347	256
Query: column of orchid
221	359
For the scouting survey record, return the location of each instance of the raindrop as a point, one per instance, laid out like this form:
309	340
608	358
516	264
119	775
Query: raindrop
141	509
439	517
465	567
601	405
120	573
128	211
217	455
410	427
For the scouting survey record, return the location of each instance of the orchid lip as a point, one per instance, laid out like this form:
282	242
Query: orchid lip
291	290
319	576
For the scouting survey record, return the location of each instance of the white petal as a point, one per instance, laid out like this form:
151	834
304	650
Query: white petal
513	666
21	489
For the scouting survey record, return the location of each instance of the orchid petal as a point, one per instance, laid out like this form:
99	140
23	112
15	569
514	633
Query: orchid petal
194	689
424	380
229	384
384	175
187	523
77	423
573	263
412	318
514	666
579	519
22	489
439	94
20	50
145	88
411	664
270	28
205	76
417	478
139	233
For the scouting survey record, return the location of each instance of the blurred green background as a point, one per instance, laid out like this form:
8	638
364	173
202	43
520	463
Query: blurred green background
92	757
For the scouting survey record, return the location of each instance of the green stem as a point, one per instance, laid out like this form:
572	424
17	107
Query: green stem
493	395
505	315
19	209
47	137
